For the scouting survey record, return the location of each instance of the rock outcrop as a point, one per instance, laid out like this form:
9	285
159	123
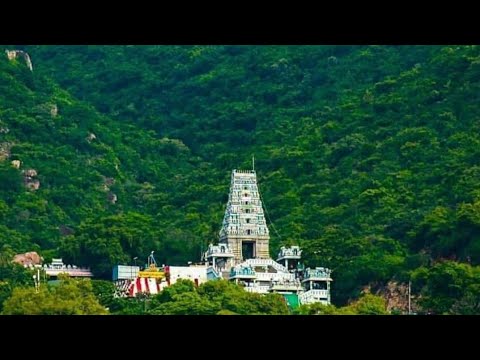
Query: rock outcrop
112	198
28	259
91	137
54	110
396	297
5	150
107	182
47	109
30	172
65	230
14	54
29	179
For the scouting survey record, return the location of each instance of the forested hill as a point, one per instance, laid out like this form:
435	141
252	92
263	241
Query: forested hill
367	156
107	190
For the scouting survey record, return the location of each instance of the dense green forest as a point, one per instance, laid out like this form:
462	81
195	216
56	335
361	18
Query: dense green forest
367	156
85	297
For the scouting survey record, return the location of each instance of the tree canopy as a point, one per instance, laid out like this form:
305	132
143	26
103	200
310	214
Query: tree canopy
367	156
69	297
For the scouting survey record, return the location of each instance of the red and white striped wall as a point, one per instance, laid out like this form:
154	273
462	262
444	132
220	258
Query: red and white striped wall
145	285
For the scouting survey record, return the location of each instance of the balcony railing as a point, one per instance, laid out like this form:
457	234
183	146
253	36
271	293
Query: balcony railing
212	273
221	250
243	171
293	252
242	273
257	289
286	286
275	276
267	262
312	296
318	273
71	272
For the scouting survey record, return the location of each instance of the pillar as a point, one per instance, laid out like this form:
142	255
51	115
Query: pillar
328	292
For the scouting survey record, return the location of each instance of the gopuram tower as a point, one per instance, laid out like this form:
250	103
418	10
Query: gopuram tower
244	228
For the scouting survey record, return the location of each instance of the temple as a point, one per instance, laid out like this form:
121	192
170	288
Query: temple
57	267
242	254
244	228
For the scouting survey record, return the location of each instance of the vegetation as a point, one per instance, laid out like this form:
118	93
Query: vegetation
367	304
11	277
69	297
212	298
449	288
367	157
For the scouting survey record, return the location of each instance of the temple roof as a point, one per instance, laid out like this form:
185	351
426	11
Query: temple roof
244	214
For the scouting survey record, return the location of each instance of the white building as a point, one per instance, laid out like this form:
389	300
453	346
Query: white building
195	273
58	267
242	254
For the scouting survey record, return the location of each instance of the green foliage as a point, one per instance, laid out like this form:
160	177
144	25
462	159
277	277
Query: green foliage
128	306
370	304
368	156
367	304
70	297
214	297
182	286
226	312
11	276
104	291
317	309
449	288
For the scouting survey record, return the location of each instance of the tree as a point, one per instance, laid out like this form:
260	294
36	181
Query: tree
104	292
70	297
370	304
367	304
11	276
316	309
214	297
355	144
448	288
190	303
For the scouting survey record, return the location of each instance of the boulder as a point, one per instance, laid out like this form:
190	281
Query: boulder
28	259
30	172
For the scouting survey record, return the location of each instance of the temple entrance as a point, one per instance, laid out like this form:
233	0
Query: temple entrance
248	250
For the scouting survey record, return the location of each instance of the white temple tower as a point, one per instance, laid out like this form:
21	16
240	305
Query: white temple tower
244	228
242	255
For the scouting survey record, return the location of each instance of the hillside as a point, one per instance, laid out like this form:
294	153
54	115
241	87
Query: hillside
367	156
97	179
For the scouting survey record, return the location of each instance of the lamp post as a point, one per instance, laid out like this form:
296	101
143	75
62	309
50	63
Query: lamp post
135	260
409	297
36	280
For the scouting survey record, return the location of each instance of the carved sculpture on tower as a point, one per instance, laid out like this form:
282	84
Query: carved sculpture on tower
244	228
